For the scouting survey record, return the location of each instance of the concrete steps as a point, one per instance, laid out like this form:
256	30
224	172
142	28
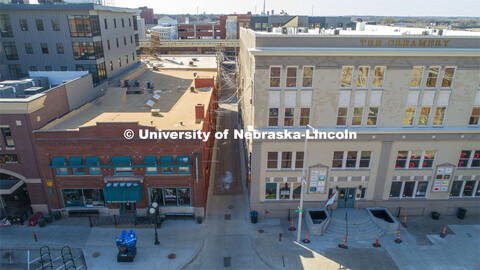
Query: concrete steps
360	226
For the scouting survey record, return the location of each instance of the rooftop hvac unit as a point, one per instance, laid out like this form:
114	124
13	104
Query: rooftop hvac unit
284	30
336	32
192	89
425	33
126	83
440	32
136	83
150	85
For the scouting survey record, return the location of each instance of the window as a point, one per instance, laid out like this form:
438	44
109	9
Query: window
337	159
77	162
63	68
137	41
166	160
258	26
108	44
124	41
10	50
59	162
129	22
474	117
417	76
28	48
372	116
87	50
133	56
421	189
409	116
15	70
289	116
378	77
117	43
456	188
32	68
307	81
347	75
291	77
272	160
448	76
395	189
365	159
91	162
111	65
7	137
351	159
122	165
44	47
23	25
273	117
468	188
84	25
135	26
39	23
105	23
432	77
5	26
98	71
408	189
55	25
115	23
439	116
48	68
342	116
275	73
183	160
299	160
60	49
304	116
297	189
467	160
170	196
87	197
270	191
362	78
424	115
151	160
123	23
286	160
119	62
131	39
416	159
126	58
284	191
357	116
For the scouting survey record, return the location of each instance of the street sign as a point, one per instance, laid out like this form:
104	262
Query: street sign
298	210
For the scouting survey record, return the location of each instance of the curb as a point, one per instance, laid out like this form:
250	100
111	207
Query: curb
194	256
260	256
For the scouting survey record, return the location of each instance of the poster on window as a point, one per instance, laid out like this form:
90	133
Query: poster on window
443	176
317	180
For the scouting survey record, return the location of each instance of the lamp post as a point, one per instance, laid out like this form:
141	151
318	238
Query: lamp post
304	172
154	211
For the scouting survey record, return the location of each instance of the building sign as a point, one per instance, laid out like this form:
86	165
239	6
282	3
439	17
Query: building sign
442	179
405	43
9	159
317	180
49	182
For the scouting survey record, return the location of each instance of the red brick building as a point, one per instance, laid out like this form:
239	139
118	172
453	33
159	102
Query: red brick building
147	14
231	24
93	166
199	31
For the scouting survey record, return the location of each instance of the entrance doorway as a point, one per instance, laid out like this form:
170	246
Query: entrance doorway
346	198
128	208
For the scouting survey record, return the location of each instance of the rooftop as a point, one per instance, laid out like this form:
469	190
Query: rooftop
66	6
176	105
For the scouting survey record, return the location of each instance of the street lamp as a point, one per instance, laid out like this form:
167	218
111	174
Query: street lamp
304	172
154	211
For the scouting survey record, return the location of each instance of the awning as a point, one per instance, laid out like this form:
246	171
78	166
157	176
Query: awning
166	160
75	161
9	184
58	161
150	161
182	160
91	161
121	161
124	192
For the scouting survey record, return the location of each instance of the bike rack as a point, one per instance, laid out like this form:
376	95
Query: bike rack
46	258
67	258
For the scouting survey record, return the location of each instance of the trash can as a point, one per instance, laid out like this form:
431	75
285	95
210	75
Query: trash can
48	218
57	215
435	215
41	222
254	216
461	213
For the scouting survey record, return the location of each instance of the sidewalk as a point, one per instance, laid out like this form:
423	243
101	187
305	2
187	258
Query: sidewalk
183	238
458	250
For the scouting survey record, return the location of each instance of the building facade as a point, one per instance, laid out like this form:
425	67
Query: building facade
414	102
68	37
263	23
147	14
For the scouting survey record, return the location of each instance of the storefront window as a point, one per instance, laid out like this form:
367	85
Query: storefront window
170	195
271	191
156	195
468	189
284	191
183	196
421	189
408	189
456	187
297	189
83	198
395	190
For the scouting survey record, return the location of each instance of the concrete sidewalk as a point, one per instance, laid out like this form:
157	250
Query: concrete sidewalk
182	238
458	250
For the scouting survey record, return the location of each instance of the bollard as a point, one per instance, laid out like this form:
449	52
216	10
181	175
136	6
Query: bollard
376	244
280	237
342	245
404	223
306	239
35	237
444	232
292	228
398	241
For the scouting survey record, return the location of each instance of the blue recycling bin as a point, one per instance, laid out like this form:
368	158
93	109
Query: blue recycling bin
254	216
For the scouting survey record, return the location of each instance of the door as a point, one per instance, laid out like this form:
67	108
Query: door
127	208
346	198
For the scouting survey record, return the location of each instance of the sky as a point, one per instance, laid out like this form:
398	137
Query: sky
464	8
